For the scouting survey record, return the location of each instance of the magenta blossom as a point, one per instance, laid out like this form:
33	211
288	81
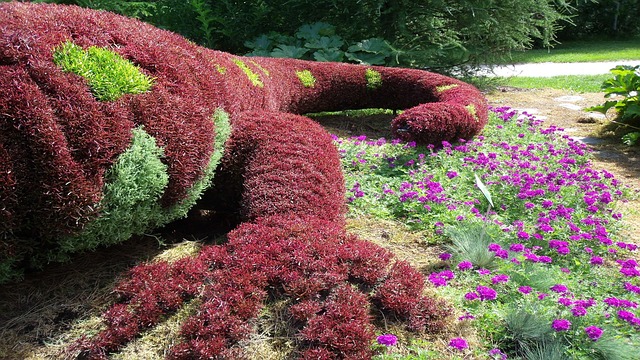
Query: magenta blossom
486	293
561	324
500	278
559	288
593	332
445	256
465	265
458	343
525	289
387	340
579	311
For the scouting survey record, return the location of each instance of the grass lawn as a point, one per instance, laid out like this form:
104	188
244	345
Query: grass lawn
574	83
581	51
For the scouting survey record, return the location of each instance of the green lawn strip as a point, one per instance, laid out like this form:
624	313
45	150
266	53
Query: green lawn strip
580	51
577	83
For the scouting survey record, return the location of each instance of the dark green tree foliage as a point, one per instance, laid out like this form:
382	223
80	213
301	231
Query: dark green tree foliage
434	33
611	18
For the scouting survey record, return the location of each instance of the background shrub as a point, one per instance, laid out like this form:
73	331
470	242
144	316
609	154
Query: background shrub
436	34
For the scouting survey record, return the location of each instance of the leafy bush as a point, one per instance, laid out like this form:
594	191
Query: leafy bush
625	84
615	18
318	41
411	33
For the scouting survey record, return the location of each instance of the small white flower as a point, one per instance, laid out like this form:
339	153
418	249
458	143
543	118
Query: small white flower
633	93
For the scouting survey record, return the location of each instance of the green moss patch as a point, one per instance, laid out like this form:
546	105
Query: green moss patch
444	88
253	77
306	78
261	68
221	69
374	79
472	110
108	74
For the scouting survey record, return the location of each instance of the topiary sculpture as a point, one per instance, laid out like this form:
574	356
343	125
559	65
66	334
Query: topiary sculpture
110	127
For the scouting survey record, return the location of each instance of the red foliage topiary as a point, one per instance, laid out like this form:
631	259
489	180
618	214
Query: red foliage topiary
281	170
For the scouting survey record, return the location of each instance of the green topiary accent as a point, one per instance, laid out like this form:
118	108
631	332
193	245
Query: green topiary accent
444	88
132	190
221	69
472	110
306	78
374	79
108	74
265	71
134	186
255	78
223	131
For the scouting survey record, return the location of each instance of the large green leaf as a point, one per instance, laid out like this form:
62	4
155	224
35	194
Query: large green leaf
315	30
262	42
288	51
335	55
325	42
367	58
373	45
484	190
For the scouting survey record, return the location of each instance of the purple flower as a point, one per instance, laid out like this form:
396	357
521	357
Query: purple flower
451	174
516	247
523	235
625	315
632	288
593	332
525	289
458	343
500	278
437	280
445	256
579	311
465	265
486	293
596	260
466	316
497	354
559	288
484	271
471	296
561	324
545	259
387	340
564	301
494	247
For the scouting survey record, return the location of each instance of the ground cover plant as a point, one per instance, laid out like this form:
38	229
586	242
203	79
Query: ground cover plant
88	163
533	258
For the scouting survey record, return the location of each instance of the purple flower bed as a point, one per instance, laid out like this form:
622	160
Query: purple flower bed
550	238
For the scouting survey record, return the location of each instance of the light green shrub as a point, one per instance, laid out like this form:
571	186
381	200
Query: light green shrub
306	78
374	79
108	74
253	77
133	188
